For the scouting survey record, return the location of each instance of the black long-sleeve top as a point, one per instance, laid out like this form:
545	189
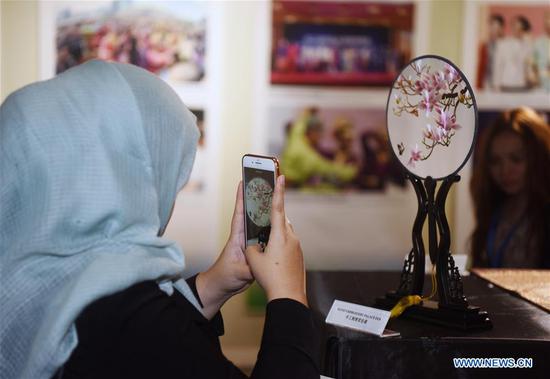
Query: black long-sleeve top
142	332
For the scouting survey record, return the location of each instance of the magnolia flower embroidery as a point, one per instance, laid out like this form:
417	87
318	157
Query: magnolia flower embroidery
438	81
447	120
428	102
435	135
438	94
415	156
451	75
418	65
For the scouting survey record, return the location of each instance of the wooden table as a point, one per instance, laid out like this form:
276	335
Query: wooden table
520	330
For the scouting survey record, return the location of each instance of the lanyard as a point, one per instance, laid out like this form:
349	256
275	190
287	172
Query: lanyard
495	255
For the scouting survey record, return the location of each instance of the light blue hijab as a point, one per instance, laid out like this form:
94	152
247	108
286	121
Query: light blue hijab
90	165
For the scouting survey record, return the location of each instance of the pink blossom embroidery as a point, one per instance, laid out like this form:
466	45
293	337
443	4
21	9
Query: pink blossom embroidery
428	102
439	95
447	120
415	156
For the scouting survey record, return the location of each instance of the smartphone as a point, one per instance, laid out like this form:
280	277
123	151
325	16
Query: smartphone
259	176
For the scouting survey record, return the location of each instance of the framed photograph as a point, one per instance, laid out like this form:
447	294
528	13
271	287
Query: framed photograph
340	43
180	41
506	55
164	37
332	150
507	52
197	180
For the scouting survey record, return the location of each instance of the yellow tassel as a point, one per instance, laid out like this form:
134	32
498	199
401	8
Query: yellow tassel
403	304
407	301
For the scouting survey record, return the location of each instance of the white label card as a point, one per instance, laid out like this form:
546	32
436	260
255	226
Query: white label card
358	317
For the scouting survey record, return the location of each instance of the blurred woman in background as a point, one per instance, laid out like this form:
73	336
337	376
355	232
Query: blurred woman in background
511	193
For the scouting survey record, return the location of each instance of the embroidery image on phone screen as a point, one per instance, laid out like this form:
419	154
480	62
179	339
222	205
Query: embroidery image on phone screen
258	197
258	201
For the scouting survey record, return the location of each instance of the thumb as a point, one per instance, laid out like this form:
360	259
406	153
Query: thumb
278	206
236	220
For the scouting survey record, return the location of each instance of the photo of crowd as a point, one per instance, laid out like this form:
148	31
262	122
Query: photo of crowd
339	43
328	150
514	48
166	38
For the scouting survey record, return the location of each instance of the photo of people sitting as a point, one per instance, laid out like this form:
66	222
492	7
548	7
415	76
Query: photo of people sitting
320	157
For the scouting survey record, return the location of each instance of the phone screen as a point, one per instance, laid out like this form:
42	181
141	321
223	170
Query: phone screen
258	193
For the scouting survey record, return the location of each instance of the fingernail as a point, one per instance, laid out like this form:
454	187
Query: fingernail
281	180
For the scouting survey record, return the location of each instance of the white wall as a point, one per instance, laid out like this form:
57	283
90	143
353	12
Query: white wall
19	54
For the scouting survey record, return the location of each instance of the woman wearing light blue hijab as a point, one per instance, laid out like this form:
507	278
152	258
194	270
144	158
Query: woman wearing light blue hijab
90	165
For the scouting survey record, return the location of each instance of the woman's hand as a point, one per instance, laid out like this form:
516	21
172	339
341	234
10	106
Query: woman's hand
280	268
230	274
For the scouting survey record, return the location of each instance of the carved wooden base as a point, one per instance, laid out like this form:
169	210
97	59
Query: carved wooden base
463	318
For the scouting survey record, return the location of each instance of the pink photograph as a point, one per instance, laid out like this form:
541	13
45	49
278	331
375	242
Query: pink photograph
514	48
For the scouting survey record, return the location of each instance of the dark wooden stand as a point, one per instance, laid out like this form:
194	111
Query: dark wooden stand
452	308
